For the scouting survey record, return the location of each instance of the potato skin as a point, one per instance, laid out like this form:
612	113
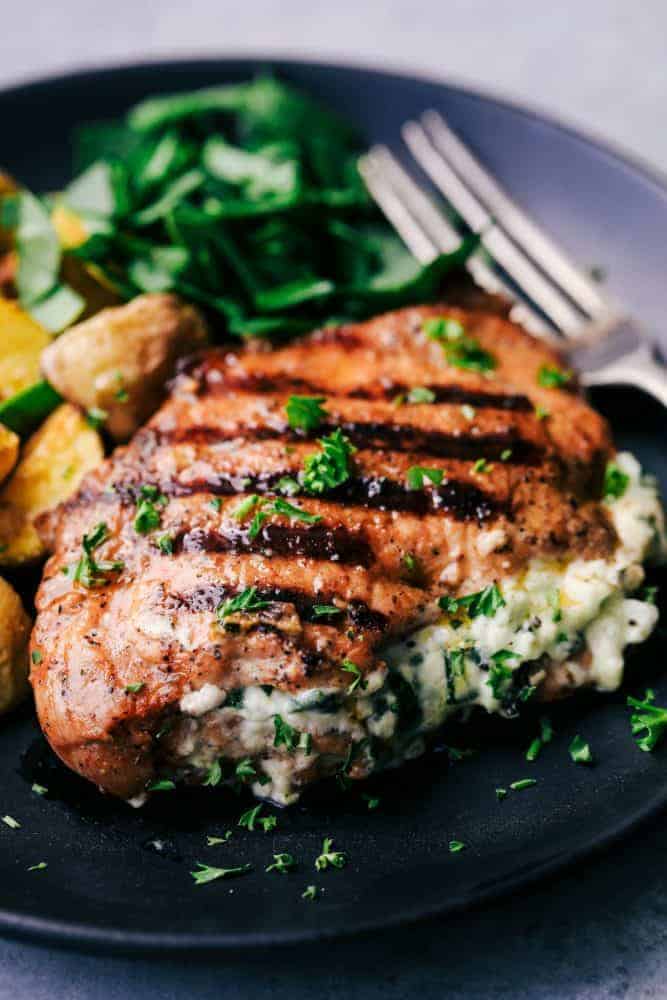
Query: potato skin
118	361
9	451
52	465
15	628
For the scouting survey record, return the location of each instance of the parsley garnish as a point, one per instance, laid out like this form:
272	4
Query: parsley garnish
551	377
420	394
325	470
215	503
648	723
281	863
484	602
88	571
213	775
288	486
165	543
321	610
249	817
580	751
310	892
500	675
501	793
287	736
247	600
305	412
461	351
417	474
546	735
371	800
36	656
455	846
335	859
12	823
358	681
212	841
148	514
615	482
268	823
121	394
518	786
39	867
267	508
541	412
134	688
165	785
95	417
39	789
245	770
481	465
207	873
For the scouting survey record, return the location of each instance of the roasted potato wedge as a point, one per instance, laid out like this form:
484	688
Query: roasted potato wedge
22	341
52	465
9	451
119	360
15	626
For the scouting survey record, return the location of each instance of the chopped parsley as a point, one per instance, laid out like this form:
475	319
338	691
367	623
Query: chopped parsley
418	474
310	892
546	736
305	412
288	486
212	841
506	455
541	412
648	722
165	544
12	823
358	681
615	482
552	377
207	873
121	394
483	602
285	735
281	863
148	514
501	793
95	417
468	411
213	775
247	600
326	469
461	350
134	688
420	394
268	823
455	846
268	508
39	867
36	656
580	751
216	503
322	610
500	675
39	789
371	800
280	506
518	786
245	770
88	571
329	858
481	465
249	817
165	785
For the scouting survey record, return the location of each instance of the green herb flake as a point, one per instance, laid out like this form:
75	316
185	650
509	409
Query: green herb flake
484	602
418	474
36	656
326	469
469	412
249	817
541	412
268	823
329	858
305	412
39	789
580	751
352	668
421	394
371	801
288	486
88	571
207	873
281	863
164	785
246	601
481	466
456	846
216	503
95	417
648	722
310	892
165	544
501	793
148	514
551	377
213	841
213	775
518	786
121	393
461	350
39	867
12	823
506	455
134	688
615	482
324	610
533	751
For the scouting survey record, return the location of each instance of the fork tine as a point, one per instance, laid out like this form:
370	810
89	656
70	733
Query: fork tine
416	240
513	219
533	283
384	175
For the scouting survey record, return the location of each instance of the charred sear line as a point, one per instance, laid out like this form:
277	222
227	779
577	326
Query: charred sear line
218	381
377	436
314	542
461	500
356	613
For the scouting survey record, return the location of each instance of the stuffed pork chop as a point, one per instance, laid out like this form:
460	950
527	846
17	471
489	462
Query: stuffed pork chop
312	556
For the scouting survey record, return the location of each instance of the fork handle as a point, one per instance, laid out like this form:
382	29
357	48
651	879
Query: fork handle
638	368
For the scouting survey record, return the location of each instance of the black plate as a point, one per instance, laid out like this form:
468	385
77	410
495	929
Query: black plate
106	884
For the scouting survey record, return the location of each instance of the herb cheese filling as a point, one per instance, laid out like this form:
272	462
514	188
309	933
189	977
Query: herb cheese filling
490	650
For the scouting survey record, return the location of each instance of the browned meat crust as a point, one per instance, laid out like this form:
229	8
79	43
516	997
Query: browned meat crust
223	435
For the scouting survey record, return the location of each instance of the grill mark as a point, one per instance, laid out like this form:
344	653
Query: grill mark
314	542
374	435
357	613
461	500
217	381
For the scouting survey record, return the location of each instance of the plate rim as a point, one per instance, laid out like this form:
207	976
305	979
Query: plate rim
73	934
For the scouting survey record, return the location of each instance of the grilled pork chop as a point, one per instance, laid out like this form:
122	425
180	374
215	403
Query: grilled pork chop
228	617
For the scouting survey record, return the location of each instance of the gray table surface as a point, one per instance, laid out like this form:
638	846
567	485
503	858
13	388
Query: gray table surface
601	932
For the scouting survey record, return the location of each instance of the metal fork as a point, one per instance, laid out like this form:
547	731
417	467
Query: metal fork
552	297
